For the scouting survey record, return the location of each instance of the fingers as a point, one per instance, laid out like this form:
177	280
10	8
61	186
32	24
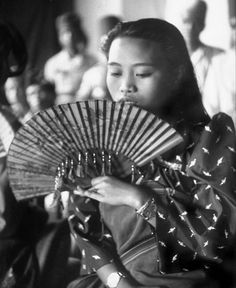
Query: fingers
99	179
90	193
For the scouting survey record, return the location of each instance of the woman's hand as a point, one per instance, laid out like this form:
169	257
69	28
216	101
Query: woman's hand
113	191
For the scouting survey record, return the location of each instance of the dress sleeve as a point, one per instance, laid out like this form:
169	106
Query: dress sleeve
196	212
91	236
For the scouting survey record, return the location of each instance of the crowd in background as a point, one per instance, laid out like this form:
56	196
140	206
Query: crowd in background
75	74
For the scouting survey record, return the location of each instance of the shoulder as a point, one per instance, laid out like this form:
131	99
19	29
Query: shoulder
55	58
90	59
213	159
7	116
219	132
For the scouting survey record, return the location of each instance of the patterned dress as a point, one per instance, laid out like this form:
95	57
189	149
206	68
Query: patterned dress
194	199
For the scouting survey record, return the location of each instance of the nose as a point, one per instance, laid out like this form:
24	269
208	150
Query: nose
127	86
126	90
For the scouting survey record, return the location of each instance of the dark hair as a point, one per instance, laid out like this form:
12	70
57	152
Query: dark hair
73	23
107	23
201	9
47	94
186	94
13	52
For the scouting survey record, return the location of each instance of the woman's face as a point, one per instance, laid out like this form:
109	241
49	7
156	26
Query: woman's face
138	72
65	37
32	97
13	90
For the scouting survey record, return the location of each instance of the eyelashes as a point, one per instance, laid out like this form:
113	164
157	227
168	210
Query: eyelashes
137	75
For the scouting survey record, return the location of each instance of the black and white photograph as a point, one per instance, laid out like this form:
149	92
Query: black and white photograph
117	144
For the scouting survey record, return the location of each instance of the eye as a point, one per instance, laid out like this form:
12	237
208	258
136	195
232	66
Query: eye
143	75
114	73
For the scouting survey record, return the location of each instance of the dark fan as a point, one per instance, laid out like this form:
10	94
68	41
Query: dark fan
85	139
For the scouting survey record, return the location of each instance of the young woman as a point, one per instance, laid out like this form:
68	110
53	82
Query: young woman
173	229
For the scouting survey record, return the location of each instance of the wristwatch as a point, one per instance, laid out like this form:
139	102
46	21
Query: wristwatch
113	279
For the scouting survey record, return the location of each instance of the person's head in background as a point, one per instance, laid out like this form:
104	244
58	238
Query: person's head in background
15	94
189	17
40	95
71	35
93	85
149	65
14	90
105	24
13	52
232	23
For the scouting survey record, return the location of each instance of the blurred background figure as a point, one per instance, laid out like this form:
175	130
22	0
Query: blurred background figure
66	68
93	85
13	52
189	17
221	84
40	95
13	58
16	98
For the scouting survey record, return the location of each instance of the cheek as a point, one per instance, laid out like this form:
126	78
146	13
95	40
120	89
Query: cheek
154	93
148	88
113	86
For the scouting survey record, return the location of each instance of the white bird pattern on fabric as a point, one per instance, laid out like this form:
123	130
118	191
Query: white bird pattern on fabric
219	161
199	227
205	150
207	128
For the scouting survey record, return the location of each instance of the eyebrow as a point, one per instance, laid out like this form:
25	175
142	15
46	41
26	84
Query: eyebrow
137	64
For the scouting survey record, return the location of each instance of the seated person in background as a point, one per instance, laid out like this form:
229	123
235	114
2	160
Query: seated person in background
40	95
221	84
93	85
66	68
189	17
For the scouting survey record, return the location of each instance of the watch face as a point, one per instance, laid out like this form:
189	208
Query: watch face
113	279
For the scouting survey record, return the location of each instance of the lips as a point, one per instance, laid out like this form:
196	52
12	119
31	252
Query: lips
129	100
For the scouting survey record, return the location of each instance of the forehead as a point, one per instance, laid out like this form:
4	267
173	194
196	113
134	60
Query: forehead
64	29
12	82
128	49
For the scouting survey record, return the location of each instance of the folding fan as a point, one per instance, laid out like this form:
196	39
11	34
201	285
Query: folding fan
83	140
